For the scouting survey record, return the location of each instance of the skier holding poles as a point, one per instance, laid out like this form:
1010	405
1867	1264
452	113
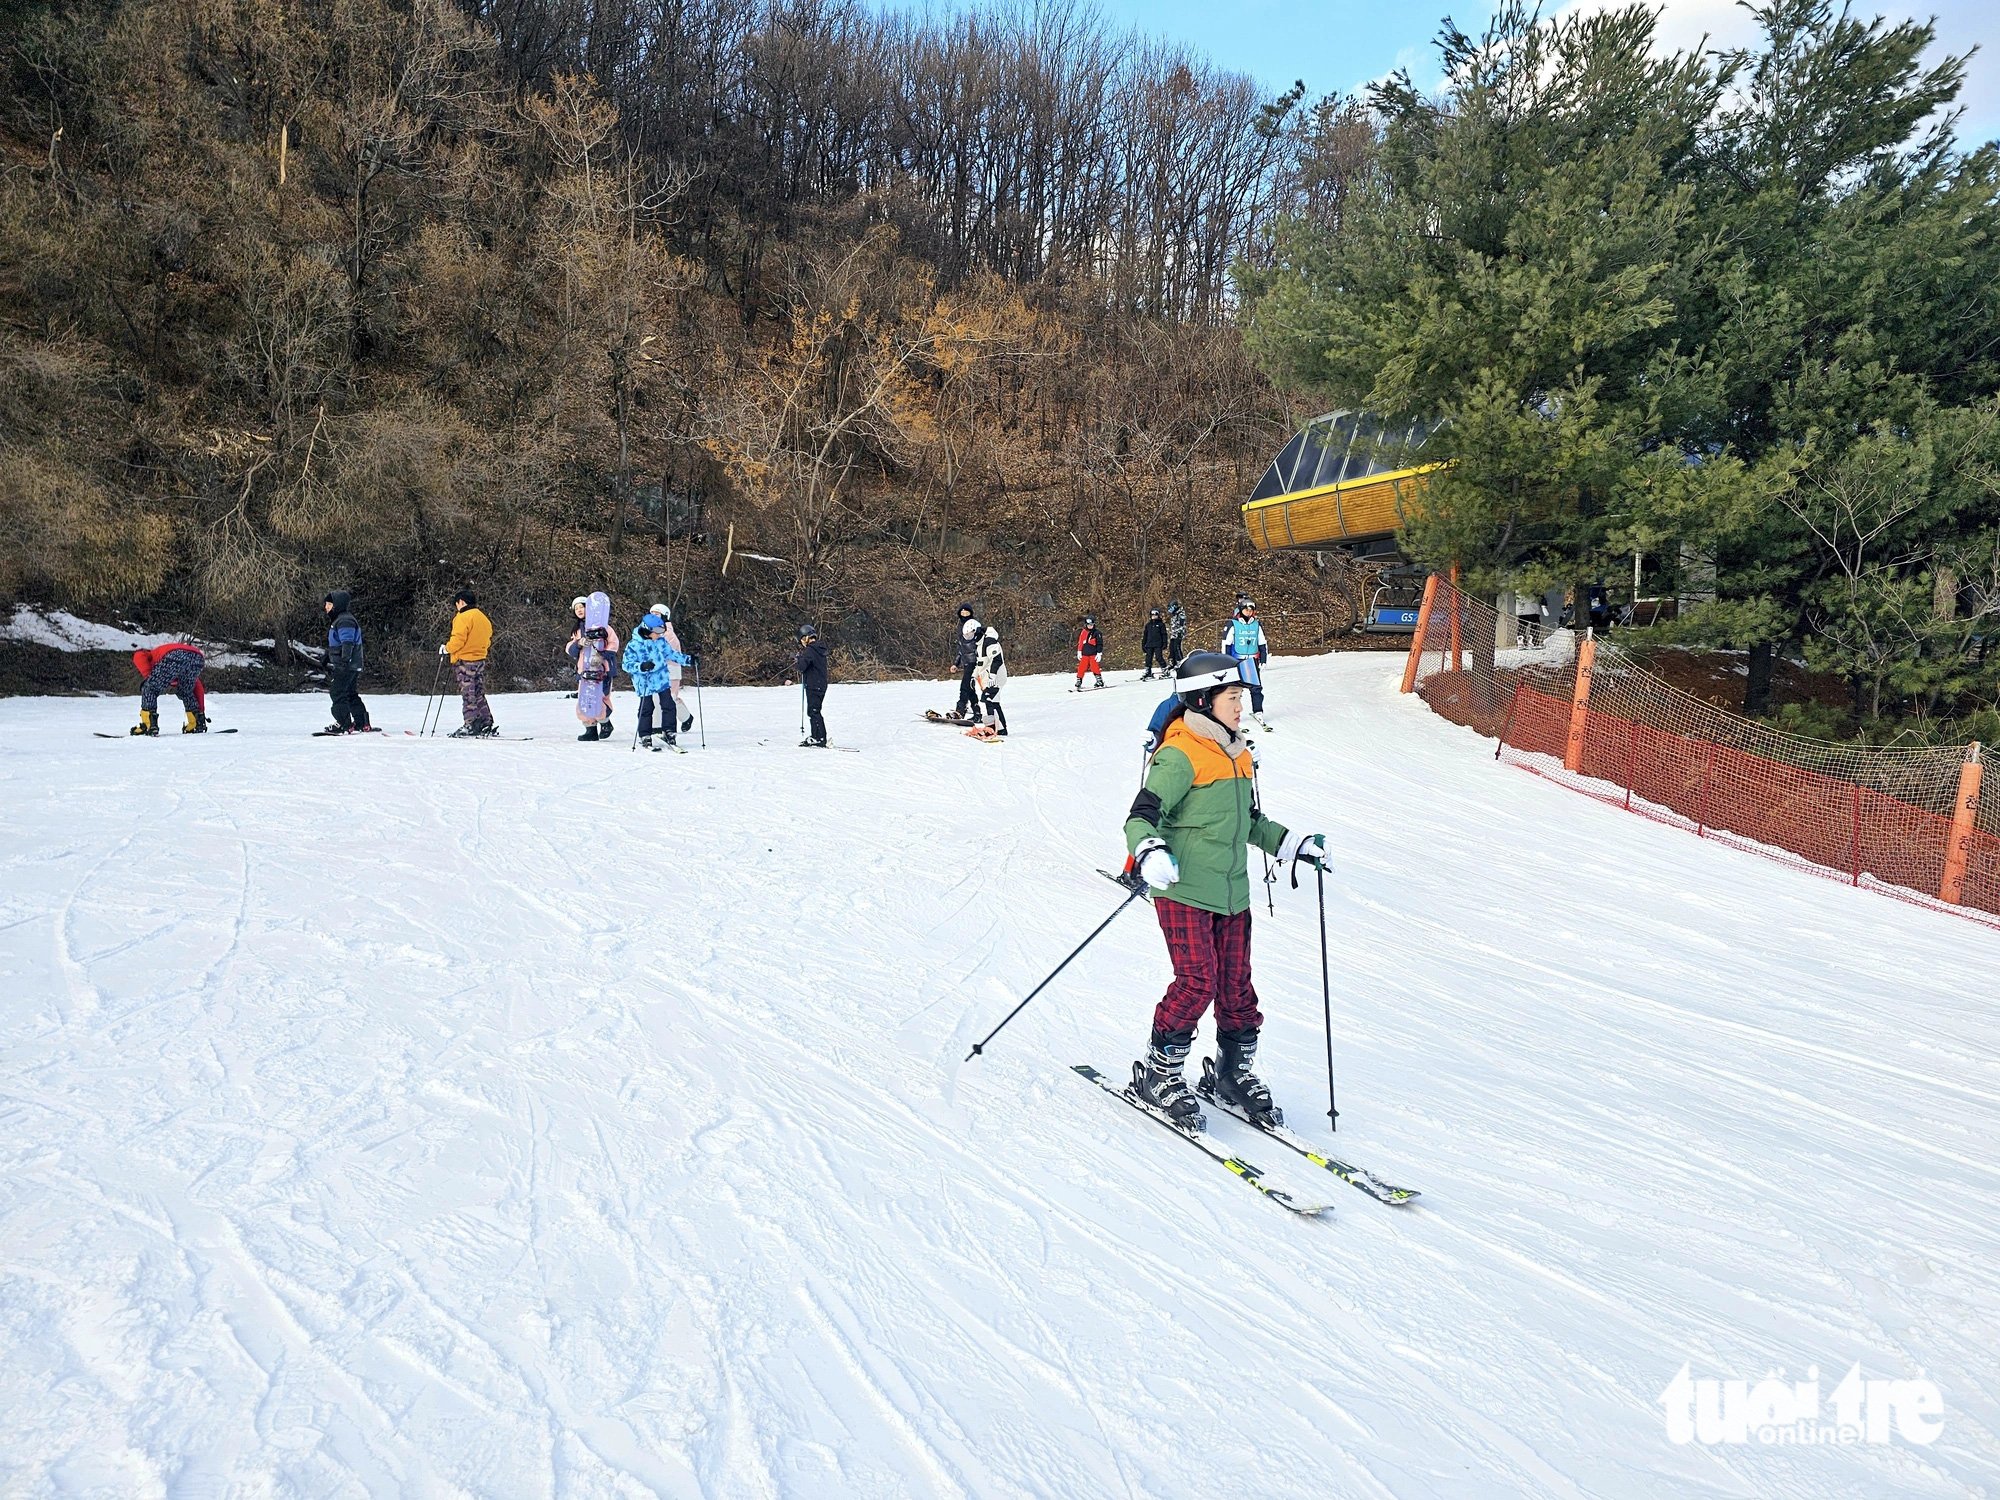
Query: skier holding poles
1189	831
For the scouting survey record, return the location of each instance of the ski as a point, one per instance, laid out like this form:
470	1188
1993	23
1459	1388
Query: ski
846	749
1367	1181
130	736
1119	882
509	739
1235	1164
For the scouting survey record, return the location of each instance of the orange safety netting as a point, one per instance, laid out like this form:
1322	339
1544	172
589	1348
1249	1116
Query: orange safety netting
1880	817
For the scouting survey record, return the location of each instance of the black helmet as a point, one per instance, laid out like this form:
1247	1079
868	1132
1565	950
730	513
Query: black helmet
807	632
1201	674
1090	619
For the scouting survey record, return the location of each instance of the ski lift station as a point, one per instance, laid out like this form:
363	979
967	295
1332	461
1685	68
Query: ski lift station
1349	480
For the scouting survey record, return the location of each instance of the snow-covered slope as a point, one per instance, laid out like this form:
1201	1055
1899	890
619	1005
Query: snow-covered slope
412	1117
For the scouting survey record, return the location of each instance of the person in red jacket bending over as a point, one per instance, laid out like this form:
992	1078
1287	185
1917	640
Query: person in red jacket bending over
1089	651
173	668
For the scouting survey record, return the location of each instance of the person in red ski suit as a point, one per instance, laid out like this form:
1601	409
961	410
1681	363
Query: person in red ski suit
1089	648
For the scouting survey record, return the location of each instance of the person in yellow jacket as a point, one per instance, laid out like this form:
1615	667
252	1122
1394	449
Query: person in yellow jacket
471	639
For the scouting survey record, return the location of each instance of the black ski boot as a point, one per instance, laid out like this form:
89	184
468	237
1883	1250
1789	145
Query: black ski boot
589	733
1157	1080
1227	1077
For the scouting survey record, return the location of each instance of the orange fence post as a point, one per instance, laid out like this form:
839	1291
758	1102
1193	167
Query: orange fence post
1958	845
1457	663
1423	629
1579	703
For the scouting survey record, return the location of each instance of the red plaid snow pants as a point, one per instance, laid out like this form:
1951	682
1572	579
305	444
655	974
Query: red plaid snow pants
1211	957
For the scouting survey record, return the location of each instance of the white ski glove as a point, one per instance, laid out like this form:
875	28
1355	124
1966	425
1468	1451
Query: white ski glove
1152	742
1310	847
444	651
1156	863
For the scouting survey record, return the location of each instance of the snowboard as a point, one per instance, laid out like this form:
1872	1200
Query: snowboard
103	736
339	734
934	717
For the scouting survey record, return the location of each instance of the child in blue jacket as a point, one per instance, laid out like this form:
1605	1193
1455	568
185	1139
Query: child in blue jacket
649	661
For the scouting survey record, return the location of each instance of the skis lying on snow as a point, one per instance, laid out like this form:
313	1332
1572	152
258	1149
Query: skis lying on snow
130	736
1236	1164
1367	1181
508	739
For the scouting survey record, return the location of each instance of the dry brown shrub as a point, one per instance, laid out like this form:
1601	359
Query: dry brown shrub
65	532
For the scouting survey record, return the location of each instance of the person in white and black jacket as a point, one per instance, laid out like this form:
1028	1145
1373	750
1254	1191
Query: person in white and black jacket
992	676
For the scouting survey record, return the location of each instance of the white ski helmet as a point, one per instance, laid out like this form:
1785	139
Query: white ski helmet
968	629
663	612
579	602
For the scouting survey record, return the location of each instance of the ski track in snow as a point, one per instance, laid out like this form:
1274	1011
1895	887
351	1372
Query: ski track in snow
398	1117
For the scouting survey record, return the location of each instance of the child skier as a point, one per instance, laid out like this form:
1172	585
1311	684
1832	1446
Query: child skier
810	664
673	639
1243	639
173	668
344	655
1188	829
1089	651
649	661
594	648
471	639
1155	644
991	676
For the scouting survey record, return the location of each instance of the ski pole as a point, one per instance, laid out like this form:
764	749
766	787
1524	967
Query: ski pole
980	1046
700	717
1326	1001
1270	875
436	673
802	705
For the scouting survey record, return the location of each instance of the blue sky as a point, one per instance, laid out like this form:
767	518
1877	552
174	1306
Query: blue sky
1343	44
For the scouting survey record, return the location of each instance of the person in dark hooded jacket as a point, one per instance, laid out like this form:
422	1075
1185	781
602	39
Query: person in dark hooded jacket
810	664
343	666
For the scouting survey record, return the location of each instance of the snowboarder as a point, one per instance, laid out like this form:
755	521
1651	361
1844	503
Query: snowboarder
1243	639
594	649
649	661
966	659
1089	651
991	675
344	656
173	668
471	639
1188	829
672	638
1176	633
1155	645
810	664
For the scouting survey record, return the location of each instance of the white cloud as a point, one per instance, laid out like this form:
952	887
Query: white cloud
1962	26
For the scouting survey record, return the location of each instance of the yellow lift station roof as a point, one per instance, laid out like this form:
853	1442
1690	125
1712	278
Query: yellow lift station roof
1345	477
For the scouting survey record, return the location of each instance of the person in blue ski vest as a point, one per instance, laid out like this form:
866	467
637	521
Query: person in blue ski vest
1243	639
649	661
